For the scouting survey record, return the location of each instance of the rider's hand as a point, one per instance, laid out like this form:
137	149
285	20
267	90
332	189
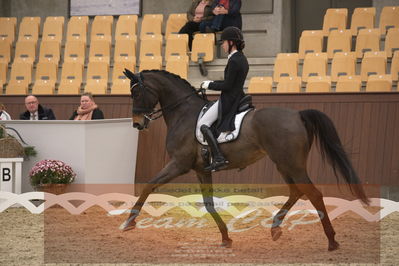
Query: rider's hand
205	84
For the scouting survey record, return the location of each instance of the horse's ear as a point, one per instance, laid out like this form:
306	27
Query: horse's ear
129	74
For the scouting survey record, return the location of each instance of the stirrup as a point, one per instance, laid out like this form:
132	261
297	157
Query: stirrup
217	165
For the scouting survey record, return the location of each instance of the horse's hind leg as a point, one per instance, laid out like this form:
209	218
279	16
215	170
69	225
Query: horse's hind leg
207	194
295	194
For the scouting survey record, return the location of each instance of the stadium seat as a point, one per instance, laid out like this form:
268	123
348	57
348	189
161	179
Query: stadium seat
260	85
109	19
97	77
125	50
289	84
339	41
392	41
126	29
82	19
178	65
315	64
318	84
25	52
311	41
29	29
174	23
53	29
50	52
100	51
134	18
77	29
373	63
7	30
389	18
21	77
45	78
368	40
151	25
334	19
150	62
13	20
71	78
5	52
379	83
286	64
395	66
151	46
362	18
203	47
176	45
75	51
343	64
120	83
3	73
348	84
101	30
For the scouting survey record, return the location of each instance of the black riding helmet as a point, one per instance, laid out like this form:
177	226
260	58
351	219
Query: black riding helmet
233	34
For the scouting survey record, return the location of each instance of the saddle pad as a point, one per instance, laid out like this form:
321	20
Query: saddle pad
224	136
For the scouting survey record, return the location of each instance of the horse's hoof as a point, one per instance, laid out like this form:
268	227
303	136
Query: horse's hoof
333	246
276	233
227	243
127	225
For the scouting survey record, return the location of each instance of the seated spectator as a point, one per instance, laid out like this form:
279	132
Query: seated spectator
3	114
35	111
227	13
88	109
199	12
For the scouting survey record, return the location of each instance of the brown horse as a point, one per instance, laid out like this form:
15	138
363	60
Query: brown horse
285	135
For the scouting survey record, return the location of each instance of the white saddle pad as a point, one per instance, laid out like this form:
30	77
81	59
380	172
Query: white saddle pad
224	136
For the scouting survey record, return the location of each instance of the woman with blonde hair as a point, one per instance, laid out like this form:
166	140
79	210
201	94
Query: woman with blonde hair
88	109
3	114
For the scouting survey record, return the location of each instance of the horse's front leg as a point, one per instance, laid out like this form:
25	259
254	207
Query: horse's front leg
169	172
205	179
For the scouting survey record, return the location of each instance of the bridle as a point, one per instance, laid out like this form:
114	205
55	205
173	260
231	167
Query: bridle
151	114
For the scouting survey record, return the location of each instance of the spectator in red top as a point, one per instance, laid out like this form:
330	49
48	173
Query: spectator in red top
227	13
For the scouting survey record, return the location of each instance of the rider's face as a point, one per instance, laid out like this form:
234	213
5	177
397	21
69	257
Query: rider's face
225	46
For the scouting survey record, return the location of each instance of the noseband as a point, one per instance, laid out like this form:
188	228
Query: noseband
149	114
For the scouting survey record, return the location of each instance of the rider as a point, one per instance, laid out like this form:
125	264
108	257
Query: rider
232	92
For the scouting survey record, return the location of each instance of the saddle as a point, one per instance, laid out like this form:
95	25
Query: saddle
244	107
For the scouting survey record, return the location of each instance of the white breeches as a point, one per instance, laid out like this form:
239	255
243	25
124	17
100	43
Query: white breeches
210	116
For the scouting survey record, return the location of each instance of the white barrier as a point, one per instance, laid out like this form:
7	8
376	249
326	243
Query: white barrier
226	204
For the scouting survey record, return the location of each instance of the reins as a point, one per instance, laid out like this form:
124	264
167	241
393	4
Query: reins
173	105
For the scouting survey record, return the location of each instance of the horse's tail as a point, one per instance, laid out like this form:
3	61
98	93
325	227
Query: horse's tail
320	125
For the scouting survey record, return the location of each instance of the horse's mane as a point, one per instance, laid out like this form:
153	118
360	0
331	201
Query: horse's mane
167	73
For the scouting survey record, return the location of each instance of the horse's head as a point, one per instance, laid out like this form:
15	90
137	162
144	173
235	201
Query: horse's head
144	100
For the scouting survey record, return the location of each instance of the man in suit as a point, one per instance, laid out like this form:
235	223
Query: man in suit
35	111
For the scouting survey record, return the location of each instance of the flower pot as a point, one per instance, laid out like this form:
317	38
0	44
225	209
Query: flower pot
56	189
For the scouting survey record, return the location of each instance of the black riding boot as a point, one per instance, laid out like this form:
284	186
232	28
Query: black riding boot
218	160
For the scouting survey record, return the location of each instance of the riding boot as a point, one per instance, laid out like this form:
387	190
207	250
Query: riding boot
218	160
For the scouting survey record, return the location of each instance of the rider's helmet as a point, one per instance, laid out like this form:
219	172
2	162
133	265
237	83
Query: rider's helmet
233	34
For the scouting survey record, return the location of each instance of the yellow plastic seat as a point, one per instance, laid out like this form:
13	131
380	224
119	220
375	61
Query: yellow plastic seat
176	45
174	23
120	83
379	83
101	30
29	29
392	41
71	78
77	29
151	25
315	64
53	29
150	62
389	18
334	19
348	84
395	66
343	64
368	40
50	52
285	65
362	18
125	50
373	63
97	78
21	77
178	65
260	85
100	51
75	51
203	47
339	41
289	85
25	51
46	77
311	41
7	30
318	84
5	52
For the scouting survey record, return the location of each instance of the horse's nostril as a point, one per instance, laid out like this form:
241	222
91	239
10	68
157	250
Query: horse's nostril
136	125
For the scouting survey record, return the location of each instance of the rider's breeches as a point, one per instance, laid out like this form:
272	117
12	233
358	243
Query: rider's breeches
210	116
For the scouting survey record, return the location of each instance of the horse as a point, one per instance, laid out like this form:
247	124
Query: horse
284	135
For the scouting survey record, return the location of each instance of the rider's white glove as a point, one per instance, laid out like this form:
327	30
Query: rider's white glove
205	84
